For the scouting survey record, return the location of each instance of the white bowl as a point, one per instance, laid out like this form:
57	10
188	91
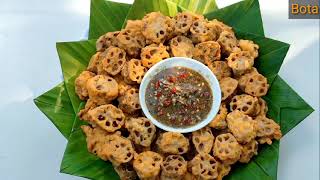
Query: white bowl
188	63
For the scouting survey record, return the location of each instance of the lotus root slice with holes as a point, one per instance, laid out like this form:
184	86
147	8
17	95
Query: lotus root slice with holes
136	70
203	140
94	63
108	117
126	171
173	167
81	84
95	138
123	86
200	31
147	164
173	143
240	62
181	46
220	69
125	74
227	149
152	54
242	126
129	102
102	89
216	27
183	22
223	170
142	131
131	42
263	107
219	121
156	27
107	40
257	85
250	46
207	52
113	60
228	42
83	113
119	150
228	86
204	166
248	151
267	130
244	103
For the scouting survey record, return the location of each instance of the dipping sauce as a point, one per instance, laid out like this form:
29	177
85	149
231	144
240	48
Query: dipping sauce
179	97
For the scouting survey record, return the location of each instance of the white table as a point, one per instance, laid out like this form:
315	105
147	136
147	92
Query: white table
32	148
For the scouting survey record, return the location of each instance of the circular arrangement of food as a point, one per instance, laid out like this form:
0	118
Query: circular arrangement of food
117	129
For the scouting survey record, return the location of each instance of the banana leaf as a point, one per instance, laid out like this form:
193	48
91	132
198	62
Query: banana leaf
288	111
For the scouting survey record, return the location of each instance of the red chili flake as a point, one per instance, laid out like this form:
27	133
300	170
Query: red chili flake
159	94
184	75
167	102
157	84
187	121
160	112
172	79
174	90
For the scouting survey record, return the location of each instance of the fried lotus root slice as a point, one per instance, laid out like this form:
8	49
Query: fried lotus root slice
113	59
203	140
102	89
147	164
118	150
129	102
95	138
242	126
223	170
131	41
126	172
267	129
240	62
250	46
107	40
125	74
219	121
263	107
204	166
108	117
83	113
94	63
227	149
136	70
142	131
173	143
220	69
173	167
181	46
207	52
81	84
217	27
248	151
228	42
244	103
123	86
256	85
156	27
200	31
183	22
228	86
152	54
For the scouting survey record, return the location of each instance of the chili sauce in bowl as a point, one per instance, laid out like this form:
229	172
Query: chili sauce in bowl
180	95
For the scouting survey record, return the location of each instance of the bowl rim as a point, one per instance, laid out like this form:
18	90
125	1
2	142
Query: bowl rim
188	63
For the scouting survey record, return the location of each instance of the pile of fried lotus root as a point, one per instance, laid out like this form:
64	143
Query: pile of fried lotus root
118	132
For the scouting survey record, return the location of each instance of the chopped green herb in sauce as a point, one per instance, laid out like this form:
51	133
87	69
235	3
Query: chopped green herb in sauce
179	97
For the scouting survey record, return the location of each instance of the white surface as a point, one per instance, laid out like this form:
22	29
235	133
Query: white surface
187	63
31	147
